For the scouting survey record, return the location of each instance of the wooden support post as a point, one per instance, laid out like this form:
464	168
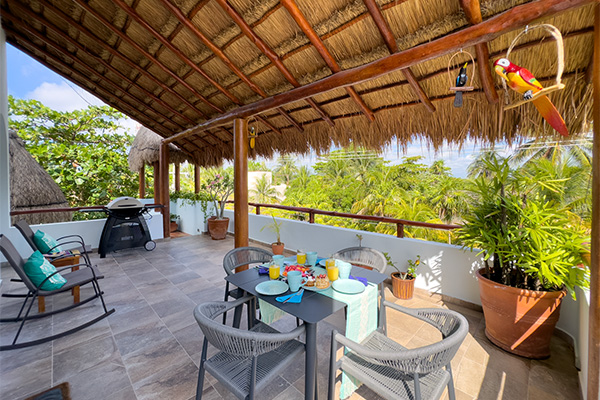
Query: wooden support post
177	177
593	373
240	192
196	179
142	181
156	168
164	188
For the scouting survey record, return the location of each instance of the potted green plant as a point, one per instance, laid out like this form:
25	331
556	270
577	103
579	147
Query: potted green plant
219	188
533	251
174	218
403	283
277	247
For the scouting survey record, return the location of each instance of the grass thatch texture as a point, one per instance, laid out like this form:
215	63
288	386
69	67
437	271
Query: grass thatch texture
146	148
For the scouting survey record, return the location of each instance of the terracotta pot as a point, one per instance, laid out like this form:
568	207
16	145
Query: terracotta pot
517	320
402	288
277	248
218	228
173	226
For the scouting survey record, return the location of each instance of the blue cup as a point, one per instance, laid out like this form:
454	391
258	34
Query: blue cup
311	258
344	268
295	280
278	260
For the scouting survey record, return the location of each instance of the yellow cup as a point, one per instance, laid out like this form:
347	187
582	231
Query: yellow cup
333	273
301	258
330	262
274	271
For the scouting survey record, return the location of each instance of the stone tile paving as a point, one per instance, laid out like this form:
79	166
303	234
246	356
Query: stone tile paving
150	347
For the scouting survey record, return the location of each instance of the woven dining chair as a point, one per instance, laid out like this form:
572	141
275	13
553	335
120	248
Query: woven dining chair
247	359
394	372
363	257
239	257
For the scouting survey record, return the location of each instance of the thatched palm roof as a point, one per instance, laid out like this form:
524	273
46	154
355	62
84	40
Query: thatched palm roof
31	187
146	147
174	64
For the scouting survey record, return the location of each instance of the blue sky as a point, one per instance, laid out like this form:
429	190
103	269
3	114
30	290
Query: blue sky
28	79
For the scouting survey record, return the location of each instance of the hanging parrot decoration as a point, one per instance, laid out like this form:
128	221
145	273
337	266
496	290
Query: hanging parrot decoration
461	80
252	137
523	81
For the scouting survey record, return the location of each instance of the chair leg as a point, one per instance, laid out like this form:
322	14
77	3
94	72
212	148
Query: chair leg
225	299
252	378
451	394
201	371
332	368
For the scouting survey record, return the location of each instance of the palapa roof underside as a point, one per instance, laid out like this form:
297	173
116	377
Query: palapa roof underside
145	150
174	64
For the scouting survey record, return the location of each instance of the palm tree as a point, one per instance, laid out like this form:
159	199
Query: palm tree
264	192
285	169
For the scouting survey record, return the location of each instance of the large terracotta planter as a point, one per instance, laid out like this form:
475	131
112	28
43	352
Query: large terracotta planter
277	248
402	288
517	320
217	228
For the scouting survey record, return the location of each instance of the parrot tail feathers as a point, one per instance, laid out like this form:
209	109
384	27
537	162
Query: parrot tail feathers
551	114
458	99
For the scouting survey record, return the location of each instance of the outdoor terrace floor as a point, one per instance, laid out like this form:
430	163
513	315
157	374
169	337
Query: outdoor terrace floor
150	347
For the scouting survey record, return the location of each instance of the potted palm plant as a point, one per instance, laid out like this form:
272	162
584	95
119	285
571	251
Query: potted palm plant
533	252
403	283
277	247
219	189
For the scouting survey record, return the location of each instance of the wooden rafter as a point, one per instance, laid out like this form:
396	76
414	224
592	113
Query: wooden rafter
480	33
266	50
316	41
214	48
472	10
390	41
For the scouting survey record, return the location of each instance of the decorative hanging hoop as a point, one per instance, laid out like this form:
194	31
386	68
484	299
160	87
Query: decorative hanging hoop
560	58
452	80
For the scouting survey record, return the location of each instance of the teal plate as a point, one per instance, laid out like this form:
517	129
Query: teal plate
348	286
272	288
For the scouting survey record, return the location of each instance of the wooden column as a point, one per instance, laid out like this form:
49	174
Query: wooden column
593	378
164	188
196	179
142	181
177	177
240	192
156	168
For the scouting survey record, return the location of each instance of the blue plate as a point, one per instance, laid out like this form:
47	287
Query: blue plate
272	288
348	286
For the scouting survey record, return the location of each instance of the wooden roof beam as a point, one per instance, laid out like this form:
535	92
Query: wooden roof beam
472	10
316	41
266	50
485	31
214	48
390	41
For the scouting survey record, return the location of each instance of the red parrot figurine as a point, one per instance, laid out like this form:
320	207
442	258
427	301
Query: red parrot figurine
523	81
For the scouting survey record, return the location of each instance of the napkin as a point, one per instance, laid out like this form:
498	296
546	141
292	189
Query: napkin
364	281
293	298
263	270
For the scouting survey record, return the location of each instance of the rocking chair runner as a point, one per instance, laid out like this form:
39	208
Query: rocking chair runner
88	274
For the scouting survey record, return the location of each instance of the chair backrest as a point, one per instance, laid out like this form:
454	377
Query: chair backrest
363	257
239	342
15	260
243	256
27	233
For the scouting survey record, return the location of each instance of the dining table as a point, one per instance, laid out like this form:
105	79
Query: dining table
313	308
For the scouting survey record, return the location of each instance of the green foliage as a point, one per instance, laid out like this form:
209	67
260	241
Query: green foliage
81	150
275	227
264	192
219	188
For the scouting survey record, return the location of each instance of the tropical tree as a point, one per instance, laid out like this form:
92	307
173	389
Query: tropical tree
264	191
285	170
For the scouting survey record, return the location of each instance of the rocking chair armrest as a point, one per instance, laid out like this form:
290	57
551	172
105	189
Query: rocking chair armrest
38	287
85	265
67	242
68	236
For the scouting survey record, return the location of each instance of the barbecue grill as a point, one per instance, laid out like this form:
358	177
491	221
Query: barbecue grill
125	226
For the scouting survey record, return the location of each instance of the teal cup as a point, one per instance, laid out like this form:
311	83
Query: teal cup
278	260
344	268
295	280
311	258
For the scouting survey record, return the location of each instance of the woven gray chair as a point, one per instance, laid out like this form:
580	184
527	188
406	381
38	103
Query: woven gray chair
363	257
248	359
87	274
240	257
394	372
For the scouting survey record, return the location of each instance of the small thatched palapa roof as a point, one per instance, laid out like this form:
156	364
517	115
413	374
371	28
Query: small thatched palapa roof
31	187
309	74
145	150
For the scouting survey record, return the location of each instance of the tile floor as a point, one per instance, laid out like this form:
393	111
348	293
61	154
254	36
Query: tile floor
150	347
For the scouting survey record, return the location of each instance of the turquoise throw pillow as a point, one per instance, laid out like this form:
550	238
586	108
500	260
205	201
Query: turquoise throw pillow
45	242
38	268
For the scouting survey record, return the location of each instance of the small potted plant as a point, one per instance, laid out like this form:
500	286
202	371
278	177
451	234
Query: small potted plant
174	218
276	247
403	283
219	189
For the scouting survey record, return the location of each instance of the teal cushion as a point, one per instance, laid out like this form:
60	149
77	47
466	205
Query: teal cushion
45	242
38	268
